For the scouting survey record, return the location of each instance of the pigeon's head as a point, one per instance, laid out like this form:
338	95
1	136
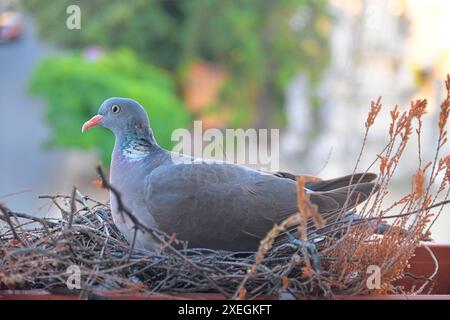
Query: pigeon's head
120	115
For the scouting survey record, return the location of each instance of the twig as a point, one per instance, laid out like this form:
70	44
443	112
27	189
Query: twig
6	214
431	277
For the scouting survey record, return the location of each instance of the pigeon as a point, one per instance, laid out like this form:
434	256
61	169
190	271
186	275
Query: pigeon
216	205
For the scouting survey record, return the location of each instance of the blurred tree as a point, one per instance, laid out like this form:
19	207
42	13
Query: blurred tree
75	86
151	28
262	43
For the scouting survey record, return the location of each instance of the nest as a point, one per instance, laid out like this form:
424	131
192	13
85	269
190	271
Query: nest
89	240
315	261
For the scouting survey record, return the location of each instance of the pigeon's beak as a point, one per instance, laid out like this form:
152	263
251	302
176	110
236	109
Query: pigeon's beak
94	121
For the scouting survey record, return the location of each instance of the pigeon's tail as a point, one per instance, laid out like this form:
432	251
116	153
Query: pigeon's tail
336	200
341	200
338	195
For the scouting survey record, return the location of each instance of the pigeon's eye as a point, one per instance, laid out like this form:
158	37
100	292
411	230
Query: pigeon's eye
115	109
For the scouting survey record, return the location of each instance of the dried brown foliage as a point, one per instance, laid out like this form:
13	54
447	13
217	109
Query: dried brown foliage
375	108
346	259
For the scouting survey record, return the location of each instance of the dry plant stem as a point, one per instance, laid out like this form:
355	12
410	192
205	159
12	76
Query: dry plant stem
440	210
357	221
6	215
73	208
374	110
156	234
430	278
14	193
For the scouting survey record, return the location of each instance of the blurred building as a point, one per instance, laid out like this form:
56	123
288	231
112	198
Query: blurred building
391	48
388	48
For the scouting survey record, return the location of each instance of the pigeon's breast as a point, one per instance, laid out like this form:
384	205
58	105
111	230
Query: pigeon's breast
125	178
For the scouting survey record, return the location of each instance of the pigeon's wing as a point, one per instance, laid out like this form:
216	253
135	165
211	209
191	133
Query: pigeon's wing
221	206
230	207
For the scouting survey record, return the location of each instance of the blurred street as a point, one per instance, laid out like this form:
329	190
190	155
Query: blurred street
21	120
26	166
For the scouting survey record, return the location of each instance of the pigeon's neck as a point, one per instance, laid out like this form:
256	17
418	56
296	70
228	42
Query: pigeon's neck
133	146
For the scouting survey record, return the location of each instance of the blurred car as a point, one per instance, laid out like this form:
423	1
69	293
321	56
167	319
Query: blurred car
11	25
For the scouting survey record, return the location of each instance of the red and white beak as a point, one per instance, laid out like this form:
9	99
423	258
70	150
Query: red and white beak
94	121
